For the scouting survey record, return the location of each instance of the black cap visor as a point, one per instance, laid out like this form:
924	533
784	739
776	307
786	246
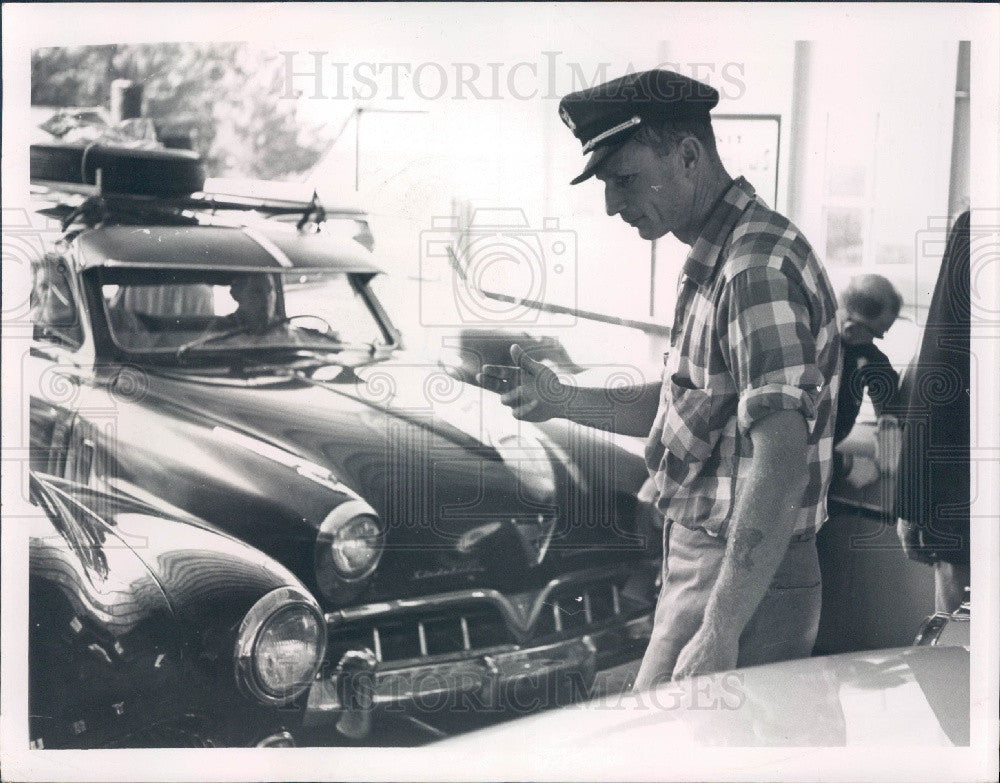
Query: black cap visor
602	153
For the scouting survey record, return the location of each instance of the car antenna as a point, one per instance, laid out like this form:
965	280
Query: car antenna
314	211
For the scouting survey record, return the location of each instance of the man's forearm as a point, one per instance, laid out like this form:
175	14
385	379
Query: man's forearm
622	411
762	524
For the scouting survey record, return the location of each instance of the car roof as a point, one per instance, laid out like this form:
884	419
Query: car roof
260	247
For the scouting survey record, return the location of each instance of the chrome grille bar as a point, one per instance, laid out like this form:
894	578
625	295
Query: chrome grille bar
407	629
466	644
422	636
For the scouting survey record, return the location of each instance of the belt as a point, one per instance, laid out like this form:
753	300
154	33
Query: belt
807	535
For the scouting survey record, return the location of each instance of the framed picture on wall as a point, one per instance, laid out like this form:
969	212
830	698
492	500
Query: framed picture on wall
749	145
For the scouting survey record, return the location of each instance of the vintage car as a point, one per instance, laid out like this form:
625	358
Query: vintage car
148	630
232	360
908	697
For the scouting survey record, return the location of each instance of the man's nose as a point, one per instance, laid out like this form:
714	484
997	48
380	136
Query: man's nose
612	199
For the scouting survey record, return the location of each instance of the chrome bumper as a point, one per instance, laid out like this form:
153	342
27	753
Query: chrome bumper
501	678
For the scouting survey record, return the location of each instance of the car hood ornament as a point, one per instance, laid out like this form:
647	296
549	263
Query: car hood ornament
531	536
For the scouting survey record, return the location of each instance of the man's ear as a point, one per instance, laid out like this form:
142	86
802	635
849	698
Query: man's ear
690	151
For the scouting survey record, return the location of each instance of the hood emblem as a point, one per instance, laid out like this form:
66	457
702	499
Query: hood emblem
503	539
471	539
522	603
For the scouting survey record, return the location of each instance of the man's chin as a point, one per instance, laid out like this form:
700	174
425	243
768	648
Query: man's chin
646	231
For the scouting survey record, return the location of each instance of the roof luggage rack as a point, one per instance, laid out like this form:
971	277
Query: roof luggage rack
94	206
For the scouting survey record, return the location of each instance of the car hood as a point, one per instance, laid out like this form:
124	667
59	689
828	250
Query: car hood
467	494
429	452
917	696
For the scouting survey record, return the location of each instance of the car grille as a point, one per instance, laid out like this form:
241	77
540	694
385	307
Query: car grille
574	609
408	635
475	621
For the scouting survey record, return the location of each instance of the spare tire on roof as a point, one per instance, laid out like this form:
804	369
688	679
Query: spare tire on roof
139	172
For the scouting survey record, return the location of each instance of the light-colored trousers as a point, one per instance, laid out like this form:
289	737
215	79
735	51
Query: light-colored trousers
784	625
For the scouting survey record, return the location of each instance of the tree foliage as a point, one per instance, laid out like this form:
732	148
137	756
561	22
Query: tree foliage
227	96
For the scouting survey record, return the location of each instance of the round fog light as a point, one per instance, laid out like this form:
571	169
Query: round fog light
349	546
355	546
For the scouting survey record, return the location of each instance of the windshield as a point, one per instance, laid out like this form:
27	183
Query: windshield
217	312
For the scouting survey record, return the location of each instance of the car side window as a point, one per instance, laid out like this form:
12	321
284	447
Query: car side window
54	311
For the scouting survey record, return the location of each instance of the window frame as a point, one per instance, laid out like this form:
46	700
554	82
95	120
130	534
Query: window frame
70	336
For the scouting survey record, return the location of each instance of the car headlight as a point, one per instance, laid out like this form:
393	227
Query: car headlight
280	645
348	547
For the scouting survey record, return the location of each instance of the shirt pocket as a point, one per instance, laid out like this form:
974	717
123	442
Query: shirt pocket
691	426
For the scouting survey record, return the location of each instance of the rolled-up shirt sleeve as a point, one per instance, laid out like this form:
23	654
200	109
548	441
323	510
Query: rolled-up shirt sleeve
769	344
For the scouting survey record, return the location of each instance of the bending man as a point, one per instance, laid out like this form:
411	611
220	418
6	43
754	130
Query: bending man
740	429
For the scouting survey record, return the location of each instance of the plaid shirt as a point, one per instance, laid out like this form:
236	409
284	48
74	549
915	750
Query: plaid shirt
754	332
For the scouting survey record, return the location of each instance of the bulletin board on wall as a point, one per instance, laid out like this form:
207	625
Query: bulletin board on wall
749	145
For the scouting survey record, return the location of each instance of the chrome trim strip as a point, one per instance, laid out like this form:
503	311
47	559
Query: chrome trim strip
268	245
516	620
303	467
486	669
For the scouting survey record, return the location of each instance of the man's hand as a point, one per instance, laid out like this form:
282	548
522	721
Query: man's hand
530	389
705	653
909	537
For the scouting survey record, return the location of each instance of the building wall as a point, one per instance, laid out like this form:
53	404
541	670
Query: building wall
869	150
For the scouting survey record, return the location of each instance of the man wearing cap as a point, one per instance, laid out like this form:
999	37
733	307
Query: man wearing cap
740	428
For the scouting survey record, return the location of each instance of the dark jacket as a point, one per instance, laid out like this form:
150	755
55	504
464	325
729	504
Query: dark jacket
933	487
865	367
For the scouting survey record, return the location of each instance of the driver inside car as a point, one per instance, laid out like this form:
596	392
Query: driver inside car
193	314
258	319
256	298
